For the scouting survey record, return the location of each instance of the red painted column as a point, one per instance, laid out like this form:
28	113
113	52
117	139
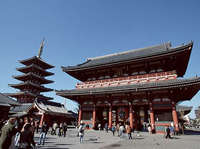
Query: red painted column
94	117
174	116
152	118
131	115
79	115
110	117
41	119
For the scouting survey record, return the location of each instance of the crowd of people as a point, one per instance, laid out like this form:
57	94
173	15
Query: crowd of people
18	133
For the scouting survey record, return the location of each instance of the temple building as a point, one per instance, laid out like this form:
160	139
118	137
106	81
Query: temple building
5	104
30	89
197	112
137	86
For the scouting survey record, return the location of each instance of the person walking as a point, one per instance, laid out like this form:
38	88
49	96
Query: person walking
43	133
167	133
81	132
8	131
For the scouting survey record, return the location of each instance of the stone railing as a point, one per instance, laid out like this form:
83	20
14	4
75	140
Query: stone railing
128	80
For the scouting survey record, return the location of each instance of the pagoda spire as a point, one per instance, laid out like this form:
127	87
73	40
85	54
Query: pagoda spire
41	48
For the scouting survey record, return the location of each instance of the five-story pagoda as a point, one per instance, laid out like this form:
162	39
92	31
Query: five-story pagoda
33	79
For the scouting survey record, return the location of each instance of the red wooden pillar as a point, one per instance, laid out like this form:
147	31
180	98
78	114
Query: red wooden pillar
110	117
41	119
152	118
79	115
131	115
174	116
94	117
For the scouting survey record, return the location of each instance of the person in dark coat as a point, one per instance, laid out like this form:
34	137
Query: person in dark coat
168	133
26	138
8	131
64	129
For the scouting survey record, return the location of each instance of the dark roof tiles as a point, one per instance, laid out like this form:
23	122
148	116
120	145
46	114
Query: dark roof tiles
126	56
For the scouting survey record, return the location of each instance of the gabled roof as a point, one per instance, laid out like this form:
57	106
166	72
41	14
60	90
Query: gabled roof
139	87
36	60
132	55
52	108
22	108
6	100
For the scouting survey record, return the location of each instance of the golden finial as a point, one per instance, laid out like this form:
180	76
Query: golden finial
41	48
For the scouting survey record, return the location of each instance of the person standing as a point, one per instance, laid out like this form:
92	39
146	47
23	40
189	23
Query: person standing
106	127
26	138
43	133
113	129
81	131
149	128
121	130
54	127
64	129
99	126
8	131
60	130
117	128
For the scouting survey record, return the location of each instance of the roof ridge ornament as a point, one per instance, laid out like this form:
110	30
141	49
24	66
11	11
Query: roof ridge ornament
41	48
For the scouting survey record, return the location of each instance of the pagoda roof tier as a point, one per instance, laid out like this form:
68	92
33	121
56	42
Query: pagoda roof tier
163	53
37	61
29	94
35	68
189	88
30	85
31	75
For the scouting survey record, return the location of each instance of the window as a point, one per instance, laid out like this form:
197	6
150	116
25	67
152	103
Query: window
87	115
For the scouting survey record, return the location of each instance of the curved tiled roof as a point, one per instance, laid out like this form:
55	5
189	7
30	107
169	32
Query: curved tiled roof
150	86
29	75
6	100
127	56
36	60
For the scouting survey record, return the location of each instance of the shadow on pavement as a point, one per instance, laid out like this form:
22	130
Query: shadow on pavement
191	132
63	144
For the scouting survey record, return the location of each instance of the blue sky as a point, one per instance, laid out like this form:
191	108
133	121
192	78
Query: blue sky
78	29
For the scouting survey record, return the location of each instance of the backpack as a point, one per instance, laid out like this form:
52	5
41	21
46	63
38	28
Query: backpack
81	130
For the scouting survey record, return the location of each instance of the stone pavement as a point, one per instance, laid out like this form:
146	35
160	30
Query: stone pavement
102	140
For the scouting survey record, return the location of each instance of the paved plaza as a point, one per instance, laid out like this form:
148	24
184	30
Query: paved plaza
102	140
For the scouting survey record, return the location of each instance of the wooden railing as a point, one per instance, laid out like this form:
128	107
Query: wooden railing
128	80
